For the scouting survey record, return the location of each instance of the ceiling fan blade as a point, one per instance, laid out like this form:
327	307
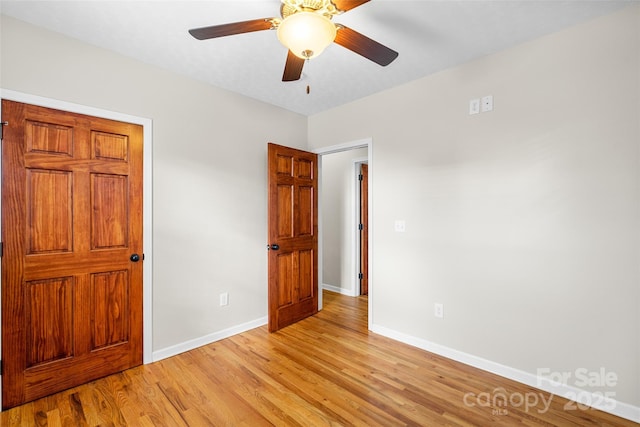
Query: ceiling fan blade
231	29
345	5
292	68
363	45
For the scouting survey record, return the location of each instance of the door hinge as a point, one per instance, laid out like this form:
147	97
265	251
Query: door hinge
1	249
360	227
1	368
2	125
360	276
360	177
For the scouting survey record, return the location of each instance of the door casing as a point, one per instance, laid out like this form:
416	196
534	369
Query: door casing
147	195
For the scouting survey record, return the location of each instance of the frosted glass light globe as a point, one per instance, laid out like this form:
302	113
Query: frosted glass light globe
306	34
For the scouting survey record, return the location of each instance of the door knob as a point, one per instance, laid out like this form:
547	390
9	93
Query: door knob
135	257
275	247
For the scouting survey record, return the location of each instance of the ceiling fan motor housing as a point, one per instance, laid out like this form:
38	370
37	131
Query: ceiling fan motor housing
322	7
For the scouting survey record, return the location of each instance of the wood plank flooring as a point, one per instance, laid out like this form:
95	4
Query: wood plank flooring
324	371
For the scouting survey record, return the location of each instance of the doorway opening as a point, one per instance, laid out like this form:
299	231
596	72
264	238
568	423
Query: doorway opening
340	250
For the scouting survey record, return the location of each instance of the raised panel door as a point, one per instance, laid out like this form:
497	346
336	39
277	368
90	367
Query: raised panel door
293	240
71	218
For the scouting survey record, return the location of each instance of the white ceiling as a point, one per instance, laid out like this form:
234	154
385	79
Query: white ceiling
429	35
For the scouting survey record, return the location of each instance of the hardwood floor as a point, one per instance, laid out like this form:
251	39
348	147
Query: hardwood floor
325	370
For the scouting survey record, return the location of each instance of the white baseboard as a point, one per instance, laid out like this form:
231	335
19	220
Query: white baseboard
207	339
339	290
584	398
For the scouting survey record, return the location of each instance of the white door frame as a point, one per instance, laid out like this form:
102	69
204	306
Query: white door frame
362	143
147	205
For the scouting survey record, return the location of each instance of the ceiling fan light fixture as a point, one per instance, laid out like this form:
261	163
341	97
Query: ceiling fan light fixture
306	34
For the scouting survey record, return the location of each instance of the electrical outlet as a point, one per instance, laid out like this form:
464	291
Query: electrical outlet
487	103
224	299
438	310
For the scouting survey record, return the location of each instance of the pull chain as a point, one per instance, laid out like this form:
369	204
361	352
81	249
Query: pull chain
308	86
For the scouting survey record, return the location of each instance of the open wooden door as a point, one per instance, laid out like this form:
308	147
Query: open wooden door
72	262
364	229
293	235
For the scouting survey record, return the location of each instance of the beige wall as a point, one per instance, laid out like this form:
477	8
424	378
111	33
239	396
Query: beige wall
525	221
209	177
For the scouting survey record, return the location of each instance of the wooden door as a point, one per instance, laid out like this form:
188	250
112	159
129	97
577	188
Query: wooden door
364	229
293	235
71	222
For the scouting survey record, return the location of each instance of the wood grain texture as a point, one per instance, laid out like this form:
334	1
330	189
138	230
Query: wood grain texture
292	68
325	370
364	46
71	218
293	227
230	29
364	232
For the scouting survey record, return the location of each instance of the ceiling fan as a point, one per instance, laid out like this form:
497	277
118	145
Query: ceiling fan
306	29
